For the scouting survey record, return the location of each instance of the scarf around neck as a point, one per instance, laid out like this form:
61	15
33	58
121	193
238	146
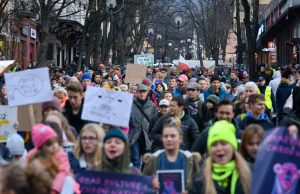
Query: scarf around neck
221	174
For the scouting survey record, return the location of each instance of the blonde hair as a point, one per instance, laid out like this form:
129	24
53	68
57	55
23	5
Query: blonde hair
241	167
99	132
60	89
65	126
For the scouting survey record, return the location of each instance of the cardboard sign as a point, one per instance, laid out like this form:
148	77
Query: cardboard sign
277	166
171	181
28	87
8	117
5	66
135	73
29	115
107	106
94	182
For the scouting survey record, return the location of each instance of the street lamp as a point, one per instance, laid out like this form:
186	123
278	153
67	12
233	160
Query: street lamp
200	55
179	21
111	5
150	31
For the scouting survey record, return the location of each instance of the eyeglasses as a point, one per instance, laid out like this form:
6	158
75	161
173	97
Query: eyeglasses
85	138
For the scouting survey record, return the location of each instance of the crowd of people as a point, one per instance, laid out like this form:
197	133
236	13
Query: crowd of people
208	124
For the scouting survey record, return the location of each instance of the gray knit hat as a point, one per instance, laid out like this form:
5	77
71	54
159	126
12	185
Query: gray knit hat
213	99
240	90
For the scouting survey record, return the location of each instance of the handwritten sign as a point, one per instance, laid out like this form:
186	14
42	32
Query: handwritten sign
277	166
171	181
28	87
93	182
107	106
29	115
5	66
8	116
135	73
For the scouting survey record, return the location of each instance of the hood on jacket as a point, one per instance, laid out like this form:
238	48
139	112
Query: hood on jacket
277	75
263	117
119	164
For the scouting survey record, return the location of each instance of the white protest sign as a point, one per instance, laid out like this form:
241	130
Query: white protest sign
8	116
28	87
5	66
107	106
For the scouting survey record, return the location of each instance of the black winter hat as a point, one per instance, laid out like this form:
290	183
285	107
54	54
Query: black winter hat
215	78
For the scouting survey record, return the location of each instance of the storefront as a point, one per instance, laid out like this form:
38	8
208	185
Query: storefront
280	42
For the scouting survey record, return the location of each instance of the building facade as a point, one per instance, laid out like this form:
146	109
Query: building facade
279	34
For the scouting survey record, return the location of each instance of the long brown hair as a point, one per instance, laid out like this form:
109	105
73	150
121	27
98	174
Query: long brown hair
250	131
241	167
65	126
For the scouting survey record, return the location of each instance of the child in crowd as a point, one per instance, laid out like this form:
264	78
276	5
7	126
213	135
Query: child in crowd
46	143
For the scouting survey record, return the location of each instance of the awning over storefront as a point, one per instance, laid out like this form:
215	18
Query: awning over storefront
68	30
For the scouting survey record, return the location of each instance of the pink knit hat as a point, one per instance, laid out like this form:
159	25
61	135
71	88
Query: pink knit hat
42	133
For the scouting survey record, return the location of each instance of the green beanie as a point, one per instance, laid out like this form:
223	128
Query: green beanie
222	131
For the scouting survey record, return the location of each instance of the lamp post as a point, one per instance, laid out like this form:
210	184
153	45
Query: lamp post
111	6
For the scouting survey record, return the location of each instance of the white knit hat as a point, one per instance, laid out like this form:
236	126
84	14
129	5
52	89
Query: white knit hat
15	144
240	89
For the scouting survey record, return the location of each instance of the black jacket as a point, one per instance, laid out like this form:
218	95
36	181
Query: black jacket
153	121
200	145
189	128
291	119
74	120
198	186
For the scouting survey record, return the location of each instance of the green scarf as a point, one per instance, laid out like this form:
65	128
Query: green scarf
221	173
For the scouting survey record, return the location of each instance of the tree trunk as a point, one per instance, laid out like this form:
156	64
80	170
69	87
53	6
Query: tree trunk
83	39
41	61
238	33
97	54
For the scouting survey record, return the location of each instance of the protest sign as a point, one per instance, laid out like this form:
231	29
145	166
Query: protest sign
8	117
107	106
5	66
277	166
135	73
171	181
93	182
28	87
29	115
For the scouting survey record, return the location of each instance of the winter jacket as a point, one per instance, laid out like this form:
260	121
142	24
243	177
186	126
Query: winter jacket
189	128
222	94
153	121
77	164
192	165
3	100
74	120
152	96
275	82
176	92
282	94
119	164
141	124
199	112
200	145
263	121
292	119
198	186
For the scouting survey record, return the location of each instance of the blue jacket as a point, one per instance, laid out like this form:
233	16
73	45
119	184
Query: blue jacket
176	92
222	94
75	163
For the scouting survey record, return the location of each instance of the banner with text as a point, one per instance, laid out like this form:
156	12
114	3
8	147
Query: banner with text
93	182
277	166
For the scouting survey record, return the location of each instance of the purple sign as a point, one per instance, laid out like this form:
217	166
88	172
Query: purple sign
95	182
277	166
171	181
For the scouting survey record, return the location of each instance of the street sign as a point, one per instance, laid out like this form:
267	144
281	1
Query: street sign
147	59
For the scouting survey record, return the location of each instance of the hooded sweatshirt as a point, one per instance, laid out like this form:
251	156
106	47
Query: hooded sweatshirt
275	82
263	121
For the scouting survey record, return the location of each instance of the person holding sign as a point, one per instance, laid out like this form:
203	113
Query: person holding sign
171	157
225	171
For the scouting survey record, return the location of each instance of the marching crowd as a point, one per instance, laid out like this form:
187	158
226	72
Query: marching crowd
208	124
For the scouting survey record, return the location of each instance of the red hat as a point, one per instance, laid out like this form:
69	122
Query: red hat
183	78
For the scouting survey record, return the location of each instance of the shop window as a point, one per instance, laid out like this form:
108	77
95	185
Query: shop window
295	28
50	52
